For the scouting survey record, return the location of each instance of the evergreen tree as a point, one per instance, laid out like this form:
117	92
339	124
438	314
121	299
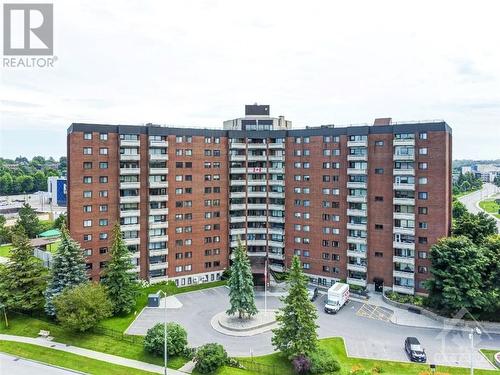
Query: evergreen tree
240	283
23	279
296	333
68	270
121	284
28	221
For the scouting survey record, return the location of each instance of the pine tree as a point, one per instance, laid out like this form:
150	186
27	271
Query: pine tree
120	282
296	333
28	220
68	270
23	279
240	283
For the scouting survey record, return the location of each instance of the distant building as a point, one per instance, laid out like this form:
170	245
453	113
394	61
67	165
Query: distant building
58	191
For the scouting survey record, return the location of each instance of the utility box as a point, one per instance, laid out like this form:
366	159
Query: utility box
154	300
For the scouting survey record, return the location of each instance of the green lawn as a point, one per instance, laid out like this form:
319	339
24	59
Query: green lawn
5	250
489	354
53	246
459	195
489	205
66	360
336	346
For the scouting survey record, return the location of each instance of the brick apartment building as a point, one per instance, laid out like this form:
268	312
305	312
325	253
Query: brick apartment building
361	203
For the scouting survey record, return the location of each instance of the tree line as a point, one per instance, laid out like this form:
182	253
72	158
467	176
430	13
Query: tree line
23	176
467	182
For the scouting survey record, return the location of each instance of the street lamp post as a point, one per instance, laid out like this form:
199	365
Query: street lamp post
161	292
471	337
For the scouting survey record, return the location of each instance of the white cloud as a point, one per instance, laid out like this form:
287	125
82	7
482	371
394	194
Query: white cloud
197	63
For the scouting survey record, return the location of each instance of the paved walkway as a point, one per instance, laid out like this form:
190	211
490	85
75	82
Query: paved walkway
471	201
91	354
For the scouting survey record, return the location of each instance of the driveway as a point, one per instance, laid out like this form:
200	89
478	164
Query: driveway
367	332
471	201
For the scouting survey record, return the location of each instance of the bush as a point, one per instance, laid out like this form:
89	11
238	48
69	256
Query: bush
176	339
322	362
209	358
82	307
301	364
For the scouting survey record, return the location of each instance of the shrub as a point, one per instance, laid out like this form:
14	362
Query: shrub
82	307
209	358
233	362
301	364
323	361
359	370
176	339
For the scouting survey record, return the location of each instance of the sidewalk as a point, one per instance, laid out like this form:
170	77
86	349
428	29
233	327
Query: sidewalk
91	354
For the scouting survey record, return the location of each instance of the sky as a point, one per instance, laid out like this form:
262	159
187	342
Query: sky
196	63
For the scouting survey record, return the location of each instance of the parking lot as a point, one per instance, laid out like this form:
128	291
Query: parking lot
366	329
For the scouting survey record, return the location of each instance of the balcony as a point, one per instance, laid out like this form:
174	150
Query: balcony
256	242
276	244
276	195
158	171
129	213
356	185
257	194
254	230
356	226
157	279
278	231
237	219
257	145
130	227
158	143
357	171
356	254
130	143
403	172
158	266
158	224
356	267
257	157
357	157
238	182
404	274
277	182
403	157
400	186
277	207
158	211
160	157
132	241
277	267
351	212
407	260
127	157
130	171
277	145
237	145
236	231
363	143
158	184
276	157
404	201
356	198
262	181
404	215
130	185
158	198
403	289
277	256
238	170
276	170
403	142
237	207
162	238
402	230
358	282
256	170
237	157
135	269
158	252
357	240
238	194
273	219
131	199
403	245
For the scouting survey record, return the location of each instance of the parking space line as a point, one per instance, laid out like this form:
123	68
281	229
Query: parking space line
374	312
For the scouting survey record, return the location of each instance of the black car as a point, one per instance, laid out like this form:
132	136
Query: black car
312	293
414	350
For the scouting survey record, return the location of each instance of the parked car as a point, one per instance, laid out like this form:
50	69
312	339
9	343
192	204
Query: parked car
414	350
312	293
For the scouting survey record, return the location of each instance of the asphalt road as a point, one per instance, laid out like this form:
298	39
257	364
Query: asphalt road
471	199
367	334
10	365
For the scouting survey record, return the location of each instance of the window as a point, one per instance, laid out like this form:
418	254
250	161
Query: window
103	193
379	254
335	257
423	210
87	151
306	266
379	143
87	165
422	165
103	151
87	208
87	180
87	252
87	223
103	208
422	151
103	165
423	195
422	254
379	226
87	194
379	170
103	222
422	240
379	199
422	269
422	135
422	225
103	179
103	136
422	180
87	136
87	237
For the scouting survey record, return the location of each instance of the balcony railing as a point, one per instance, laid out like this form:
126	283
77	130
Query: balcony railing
131	199
356	226
158	198
356	267
403	142
404	215
403	245
129	213
403	230
352	212
130	185
403	289
356	185
404	201
399	259
353	281
400	186
404	274
129	157
130	143
158	143
129	171
363	143
403	157
356	254
357	157
357	240
356	198
161	157
403	172
356	171
158	170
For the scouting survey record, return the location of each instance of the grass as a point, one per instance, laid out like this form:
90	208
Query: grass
121	323
66	360
53	246
5	250
464	193
336	346
490	355
490	206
